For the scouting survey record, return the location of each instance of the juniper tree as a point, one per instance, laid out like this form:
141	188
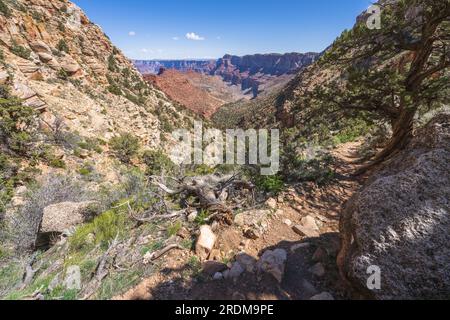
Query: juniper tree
393	72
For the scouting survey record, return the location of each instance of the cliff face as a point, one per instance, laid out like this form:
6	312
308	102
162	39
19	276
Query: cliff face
253	74
62	64
58	62
154	66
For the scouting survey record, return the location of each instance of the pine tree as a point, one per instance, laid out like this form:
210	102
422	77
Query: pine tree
393	72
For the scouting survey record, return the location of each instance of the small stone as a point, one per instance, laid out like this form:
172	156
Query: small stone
306	232
251	234
72	281
287	222
310	223
308	289
274	263
236	270
21	190
239	220
205	242
210	268
218	276
272	203
90	238
246	261
192	216
318	270
17	201
296	247
324	296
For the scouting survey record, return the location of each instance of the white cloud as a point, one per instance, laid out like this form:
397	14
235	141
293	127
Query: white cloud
193	36
175	38
145	50
132	33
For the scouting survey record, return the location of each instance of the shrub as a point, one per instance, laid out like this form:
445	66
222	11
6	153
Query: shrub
105	228
173	229
20	51
112	63
157	163
4	9
62	74
16	125
2	56
273	184
62	46
125	147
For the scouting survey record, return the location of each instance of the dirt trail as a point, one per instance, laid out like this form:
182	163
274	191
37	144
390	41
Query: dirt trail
324	205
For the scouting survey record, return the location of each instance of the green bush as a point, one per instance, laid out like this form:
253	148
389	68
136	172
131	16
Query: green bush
62	74
105	228
2	56
114	89
273	184
4	9
112	63
62	46
16	125
125	147
20	51
157	162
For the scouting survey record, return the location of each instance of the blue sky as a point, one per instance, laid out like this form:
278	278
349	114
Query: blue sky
180	29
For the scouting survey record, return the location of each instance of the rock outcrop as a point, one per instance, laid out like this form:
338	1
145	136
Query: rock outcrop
400	221
60	217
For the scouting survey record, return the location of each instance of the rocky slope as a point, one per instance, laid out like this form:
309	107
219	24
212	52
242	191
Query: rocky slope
63	65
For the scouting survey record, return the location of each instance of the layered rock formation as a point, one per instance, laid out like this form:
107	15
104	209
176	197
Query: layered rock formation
62	64
253	74
399	222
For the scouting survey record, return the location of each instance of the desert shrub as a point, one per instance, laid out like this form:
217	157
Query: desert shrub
125	147
173	229
20	51
112	63
105	228
271	184
62	74
62	46
114	89
2	56
17	124
61	27
54	189
91	145
4	10
157	163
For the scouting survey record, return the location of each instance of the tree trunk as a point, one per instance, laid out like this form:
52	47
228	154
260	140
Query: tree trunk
402	134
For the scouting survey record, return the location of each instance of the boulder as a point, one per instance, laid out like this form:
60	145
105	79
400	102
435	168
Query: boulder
69	65
45	57
305	232
399	222
274	263
40	46
4	77
62	216
205	242
324	296
210	268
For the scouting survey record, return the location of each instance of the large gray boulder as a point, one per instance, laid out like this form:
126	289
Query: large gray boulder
400	222
60	217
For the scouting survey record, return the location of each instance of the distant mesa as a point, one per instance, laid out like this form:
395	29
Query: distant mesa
253	74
